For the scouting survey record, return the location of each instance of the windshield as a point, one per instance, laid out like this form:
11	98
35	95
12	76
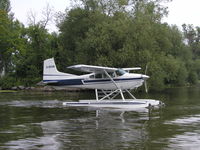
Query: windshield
120	72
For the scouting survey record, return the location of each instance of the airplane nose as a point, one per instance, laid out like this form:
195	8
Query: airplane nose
144	77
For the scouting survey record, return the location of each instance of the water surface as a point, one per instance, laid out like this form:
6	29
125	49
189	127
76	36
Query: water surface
39	121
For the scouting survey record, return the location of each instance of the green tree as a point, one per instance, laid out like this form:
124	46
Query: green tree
40	45
5	5
10	40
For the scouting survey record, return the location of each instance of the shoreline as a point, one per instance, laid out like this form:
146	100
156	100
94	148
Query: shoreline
54	89
41	89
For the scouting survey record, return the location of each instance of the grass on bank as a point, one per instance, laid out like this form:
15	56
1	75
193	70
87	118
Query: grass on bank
7	91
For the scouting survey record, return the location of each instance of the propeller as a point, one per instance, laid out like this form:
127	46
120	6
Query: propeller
145	81
145	85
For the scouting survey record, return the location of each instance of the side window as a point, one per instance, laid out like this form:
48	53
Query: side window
103	75
112	74
92	76
98	76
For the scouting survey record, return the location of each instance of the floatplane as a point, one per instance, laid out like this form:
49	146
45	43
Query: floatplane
108	83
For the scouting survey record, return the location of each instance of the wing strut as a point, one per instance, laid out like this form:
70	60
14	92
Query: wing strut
106	94
130	94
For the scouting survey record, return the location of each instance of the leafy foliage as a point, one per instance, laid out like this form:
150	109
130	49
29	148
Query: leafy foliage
118	33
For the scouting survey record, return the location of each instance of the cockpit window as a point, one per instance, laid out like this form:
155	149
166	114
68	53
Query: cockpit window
120	72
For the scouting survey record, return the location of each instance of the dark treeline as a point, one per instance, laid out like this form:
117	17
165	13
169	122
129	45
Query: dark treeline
115	33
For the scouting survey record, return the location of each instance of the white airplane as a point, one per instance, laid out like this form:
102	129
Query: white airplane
107	82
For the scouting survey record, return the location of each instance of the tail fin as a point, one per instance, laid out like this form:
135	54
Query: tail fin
50	72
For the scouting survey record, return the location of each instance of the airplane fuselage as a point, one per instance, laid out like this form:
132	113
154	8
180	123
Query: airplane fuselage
125	81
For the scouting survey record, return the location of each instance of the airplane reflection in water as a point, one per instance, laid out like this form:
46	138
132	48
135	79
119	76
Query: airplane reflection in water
88	131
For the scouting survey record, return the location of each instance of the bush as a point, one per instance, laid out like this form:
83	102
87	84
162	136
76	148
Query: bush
157	76
8	82
182	75
192	77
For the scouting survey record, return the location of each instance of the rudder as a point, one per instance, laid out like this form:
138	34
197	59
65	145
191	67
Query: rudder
51	73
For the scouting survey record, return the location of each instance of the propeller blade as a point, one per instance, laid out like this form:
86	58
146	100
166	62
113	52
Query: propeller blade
145	82
146	69
145	85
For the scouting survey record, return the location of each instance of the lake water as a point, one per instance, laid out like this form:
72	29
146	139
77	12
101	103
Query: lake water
33	121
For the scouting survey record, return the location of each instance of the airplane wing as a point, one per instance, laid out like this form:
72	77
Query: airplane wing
90	68
129	69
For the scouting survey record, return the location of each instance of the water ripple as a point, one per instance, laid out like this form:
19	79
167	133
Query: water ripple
190	120
36	103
